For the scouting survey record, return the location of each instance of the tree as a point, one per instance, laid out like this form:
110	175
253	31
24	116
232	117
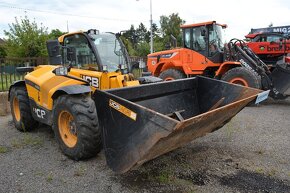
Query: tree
2	51
131	36
142	34
55	33
137	40
26	39
170	25
143	49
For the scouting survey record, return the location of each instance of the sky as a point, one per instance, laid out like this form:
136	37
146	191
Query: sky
118	15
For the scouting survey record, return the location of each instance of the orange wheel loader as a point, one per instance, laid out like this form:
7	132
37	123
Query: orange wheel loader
205	53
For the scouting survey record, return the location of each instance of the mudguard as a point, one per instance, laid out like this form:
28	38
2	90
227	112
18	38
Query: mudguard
16	83
72	89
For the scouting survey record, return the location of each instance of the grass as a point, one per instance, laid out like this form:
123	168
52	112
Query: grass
260	151
80	171
27	140
163	177
3	149
38	173
230	129
272	172
49	177
259	170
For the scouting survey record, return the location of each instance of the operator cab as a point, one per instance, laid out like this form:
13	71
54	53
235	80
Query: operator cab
206	39
94	50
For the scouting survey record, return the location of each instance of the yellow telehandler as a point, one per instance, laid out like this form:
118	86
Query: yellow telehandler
92	102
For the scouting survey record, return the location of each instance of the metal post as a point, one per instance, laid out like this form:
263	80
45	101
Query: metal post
151	29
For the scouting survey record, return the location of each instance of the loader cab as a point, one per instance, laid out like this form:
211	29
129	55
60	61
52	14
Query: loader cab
206	39
94	50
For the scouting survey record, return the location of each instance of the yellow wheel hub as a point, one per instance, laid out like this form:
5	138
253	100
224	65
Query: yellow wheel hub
16	109
67	129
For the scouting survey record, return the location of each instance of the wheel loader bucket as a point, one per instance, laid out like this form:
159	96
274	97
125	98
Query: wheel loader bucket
281	77
140	123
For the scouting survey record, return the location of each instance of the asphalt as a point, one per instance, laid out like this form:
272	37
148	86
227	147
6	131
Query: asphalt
249	154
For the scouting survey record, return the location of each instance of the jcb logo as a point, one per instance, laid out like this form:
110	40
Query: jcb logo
39	113
114	105
94	81
123	110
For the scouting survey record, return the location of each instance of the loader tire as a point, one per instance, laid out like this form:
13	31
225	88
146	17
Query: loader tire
76	126
243	76
171	74
20	109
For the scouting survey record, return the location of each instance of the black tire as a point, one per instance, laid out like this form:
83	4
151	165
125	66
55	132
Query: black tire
20	109
86	141
243	76
172	74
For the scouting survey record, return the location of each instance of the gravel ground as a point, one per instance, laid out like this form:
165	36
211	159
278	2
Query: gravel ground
249	154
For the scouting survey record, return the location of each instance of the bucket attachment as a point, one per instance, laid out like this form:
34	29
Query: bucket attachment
140	123
281	77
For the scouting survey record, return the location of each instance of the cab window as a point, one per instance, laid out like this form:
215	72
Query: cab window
187	38
198	40
85	57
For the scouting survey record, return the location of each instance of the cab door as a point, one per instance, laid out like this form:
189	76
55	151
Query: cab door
85	63
195	56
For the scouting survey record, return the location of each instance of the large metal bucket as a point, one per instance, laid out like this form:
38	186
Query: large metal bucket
143	122
281	77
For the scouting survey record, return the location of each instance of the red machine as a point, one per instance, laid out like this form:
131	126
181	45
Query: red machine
269	46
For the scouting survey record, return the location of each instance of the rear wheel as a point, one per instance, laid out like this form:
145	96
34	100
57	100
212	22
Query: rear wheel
20	109
172	74
243	76
76	127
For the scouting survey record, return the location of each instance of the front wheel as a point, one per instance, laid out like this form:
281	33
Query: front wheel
76	127
172	74
242	76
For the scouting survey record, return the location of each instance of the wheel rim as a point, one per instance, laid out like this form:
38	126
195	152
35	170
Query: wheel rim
239	81
169	78
16	109
67	129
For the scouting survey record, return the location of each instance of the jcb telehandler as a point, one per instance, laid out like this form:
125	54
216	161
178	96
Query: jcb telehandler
133	123
205	52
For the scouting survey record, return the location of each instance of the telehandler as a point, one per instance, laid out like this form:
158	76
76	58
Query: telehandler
91	102
205	53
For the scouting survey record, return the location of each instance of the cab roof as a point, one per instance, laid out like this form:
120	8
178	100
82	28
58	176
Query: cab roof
202	24
60	38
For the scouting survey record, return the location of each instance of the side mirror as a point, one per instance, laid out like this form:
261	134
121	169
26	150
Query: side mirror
60	71
53	49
